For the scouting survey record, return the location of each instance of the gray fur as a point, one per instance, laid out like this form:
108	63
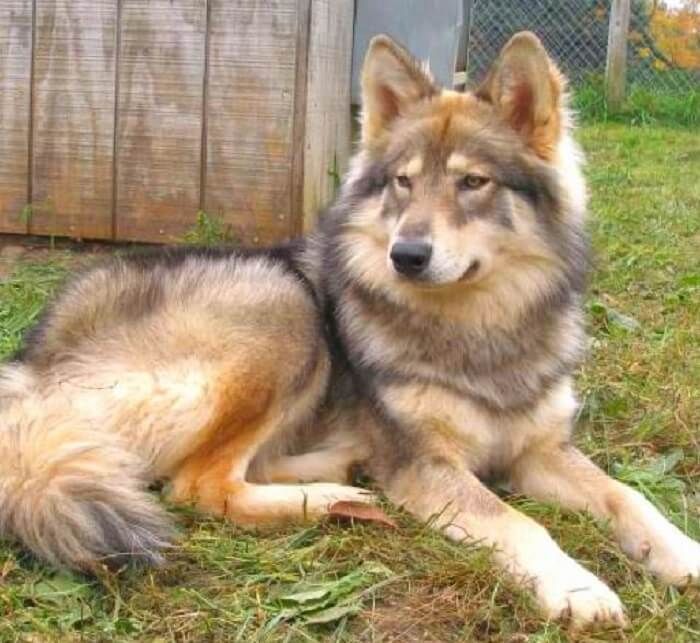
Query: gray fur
502	368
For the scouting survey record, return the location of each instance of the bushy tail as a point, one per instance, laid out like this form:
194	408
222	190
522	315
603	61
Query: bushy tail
71	494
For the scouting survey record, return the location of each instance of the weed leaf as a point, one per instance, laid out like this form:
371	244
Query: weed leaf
328	600
612	319
333	613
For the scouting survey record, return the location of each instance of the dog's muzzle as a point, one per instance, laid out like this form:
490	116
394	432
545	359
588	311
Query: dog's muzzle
410	258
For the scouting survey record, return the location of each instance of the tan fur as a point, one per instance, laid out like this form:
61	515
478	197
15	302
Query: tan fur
563	588
331	460
461	164
389	89
118	397
528	88
413	168
507	286
452	497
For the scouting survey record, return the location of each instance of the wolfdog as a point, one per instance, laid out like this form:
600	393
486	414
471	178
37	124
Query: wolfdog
427	330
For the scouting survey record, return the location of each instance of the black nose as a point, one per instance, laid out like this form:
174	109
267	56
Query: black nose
410	258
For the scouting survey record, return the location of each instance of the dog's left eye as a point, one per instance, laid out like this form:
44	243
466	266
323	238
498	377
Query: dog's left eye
472	182
403	181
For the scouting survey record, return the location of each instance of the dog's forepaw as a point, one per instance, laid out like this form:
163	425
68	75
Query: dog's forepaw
660	546
673	560
320	497
577	597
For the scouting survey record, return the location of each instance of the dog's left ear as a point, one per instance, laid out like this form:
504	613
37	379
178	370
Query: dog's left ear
392	81
527	89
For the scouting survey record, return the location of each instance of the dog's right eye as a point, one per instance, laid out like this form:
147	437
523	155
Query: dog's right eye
403	181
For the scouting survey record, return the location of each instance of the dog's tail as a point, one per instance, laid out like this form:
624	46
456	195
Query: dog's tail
68	492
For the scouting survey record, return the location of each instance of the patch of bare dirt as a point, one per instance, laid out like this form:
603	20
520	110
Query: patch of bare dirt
15	249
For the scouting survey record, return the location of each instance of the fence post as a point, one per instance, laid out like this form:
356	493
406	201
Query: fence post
616	63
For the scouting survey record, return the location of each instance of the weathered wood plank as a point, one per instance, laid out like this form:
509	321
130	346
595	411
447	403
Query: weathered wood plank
104	109
15	79
159	120
74	71
249	116
327	121
616	63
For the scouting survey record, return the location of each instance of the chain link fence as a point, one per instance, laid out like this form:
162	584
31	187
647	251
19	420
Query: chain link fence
663	47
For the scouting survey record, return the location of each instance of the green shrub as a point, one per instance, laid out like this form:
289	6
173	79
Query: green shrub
208	230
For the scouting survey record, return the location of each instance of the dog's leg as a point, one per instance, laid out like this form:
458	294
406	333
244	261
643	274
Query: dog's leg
255	505
327	465
326	452
454	499
214	484
215	480
563	474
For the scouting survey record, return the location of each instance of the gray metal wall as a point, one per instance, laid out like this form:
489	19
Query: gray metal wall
430	29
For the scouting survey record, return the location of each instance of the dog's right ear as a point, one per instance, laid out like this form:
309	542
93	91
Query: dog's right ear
392	80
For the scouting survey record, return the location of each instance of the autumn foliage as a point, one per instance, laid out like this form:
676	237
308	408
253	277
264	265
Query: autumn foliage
676	32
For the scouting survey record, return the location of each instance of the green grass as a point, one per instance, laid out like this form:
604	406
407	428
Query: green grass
22	297
643	104
640	420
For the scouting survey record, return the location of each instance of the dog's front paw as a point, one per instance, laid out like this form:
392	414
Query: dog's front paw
646	536
572	594
674	560
319	497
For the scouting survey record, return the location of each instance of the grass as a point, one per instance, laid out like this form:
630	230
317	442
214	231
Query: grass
22	297
209	230
639	420
643	105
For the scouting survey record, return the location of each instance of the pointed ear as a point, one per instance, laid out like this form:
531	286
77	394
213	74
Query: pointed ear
526	87
392	80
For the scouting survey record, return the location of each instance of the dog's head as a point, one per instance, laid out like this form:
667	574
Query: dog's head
454	192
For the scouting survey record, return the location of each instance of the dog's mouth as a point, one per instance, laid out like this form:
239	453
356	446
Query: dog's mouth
472	271
423	282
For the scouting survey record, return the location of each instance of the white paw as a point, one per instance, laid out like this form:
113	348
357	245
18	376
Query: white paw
320	497
659	545
571	593
674	560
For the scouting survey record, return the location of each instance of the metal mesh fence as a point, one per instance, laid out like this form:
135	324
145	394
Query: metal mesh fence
575	32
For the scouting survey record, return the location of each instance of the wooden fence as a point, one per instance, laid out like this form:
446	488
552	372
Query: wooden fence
120	119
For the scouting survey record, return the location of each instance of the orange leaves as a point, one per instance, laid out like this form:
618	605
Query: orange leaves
677	33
